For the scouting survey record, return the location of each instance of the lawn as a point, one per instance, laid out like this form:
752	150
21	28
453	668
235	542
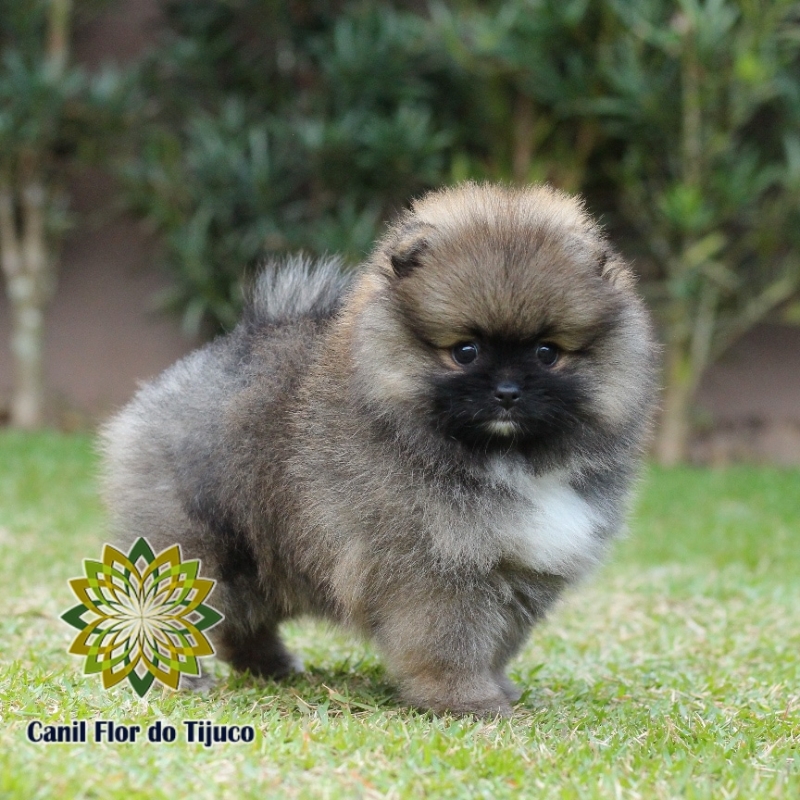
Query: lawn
674	672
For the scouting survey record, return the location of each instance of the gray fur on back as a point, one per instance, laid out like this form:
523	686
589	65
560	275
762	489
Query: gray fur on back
166	448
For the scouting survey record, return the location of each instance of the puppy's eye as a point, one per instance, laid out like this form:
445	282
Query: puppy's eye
465	353
547	354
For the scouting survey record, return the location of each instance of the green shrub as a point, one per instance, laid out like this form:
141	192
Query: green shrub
302	126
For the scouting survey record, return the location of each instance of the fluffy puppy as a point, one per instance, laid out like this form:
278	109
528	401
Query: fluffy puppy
427	450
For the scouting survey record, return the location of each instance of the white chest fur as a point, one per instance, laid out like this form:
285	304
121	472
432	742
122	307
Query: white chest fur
551	528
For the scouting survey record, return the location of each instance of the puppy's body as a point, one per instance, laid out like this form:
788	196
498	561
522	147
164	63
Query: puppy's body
334	456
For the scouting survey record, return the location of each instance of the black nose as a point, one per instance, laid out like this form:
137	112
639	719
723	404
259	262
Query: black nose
507	393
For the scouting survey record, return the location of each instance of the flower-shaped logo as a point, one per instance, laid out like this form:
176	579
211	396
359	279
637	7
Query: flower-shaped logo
145	617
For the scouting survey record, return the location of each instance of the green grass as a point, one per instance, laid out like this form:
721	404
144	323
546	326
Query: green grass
675	672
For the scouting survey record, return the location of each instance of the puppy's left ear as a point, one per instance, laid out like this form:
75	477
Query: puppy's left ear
613	268
408	247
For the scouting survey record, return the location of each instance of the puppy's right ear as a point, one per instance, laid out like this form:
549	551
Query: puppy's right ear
409	245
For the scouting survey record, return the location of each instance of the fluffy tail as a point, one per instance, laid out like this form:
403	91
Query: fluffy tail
297	287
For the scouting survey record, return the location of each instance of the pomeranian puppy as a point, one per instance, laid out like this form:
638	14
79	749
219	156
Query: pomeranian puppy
426	450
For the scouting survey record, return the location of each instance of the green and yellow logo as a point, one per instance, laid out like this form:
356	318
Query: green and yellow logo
141	616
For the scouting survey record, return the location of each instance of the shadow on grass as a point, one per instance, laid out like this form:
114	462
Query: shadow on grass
346	686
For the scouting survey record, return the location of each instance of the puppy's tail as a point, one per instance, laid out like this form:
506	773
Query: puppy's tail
297	287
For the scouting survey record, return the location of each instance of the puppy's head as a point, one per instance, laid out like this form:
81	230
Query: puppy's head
507	322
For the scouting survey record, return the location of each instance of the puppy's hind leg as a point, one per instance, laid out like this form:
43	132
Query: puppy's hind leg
198	683
260	651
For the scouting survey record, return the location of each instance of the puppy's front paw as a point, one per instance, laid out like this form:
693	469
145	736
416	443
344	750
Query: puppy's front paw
482	697
490	708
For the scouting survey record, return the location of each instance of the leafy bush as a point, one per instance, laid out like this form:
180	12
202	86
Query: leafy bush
701	104
302	130
278	127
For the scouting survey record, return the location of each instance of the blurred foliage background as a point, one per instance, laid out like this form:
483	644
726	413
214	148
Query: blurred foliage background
254	128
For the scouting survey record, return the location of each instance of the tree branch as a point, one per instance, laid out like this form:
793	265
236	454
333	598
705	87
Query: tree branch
754	311
58	24
10	255
34	248
703	332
